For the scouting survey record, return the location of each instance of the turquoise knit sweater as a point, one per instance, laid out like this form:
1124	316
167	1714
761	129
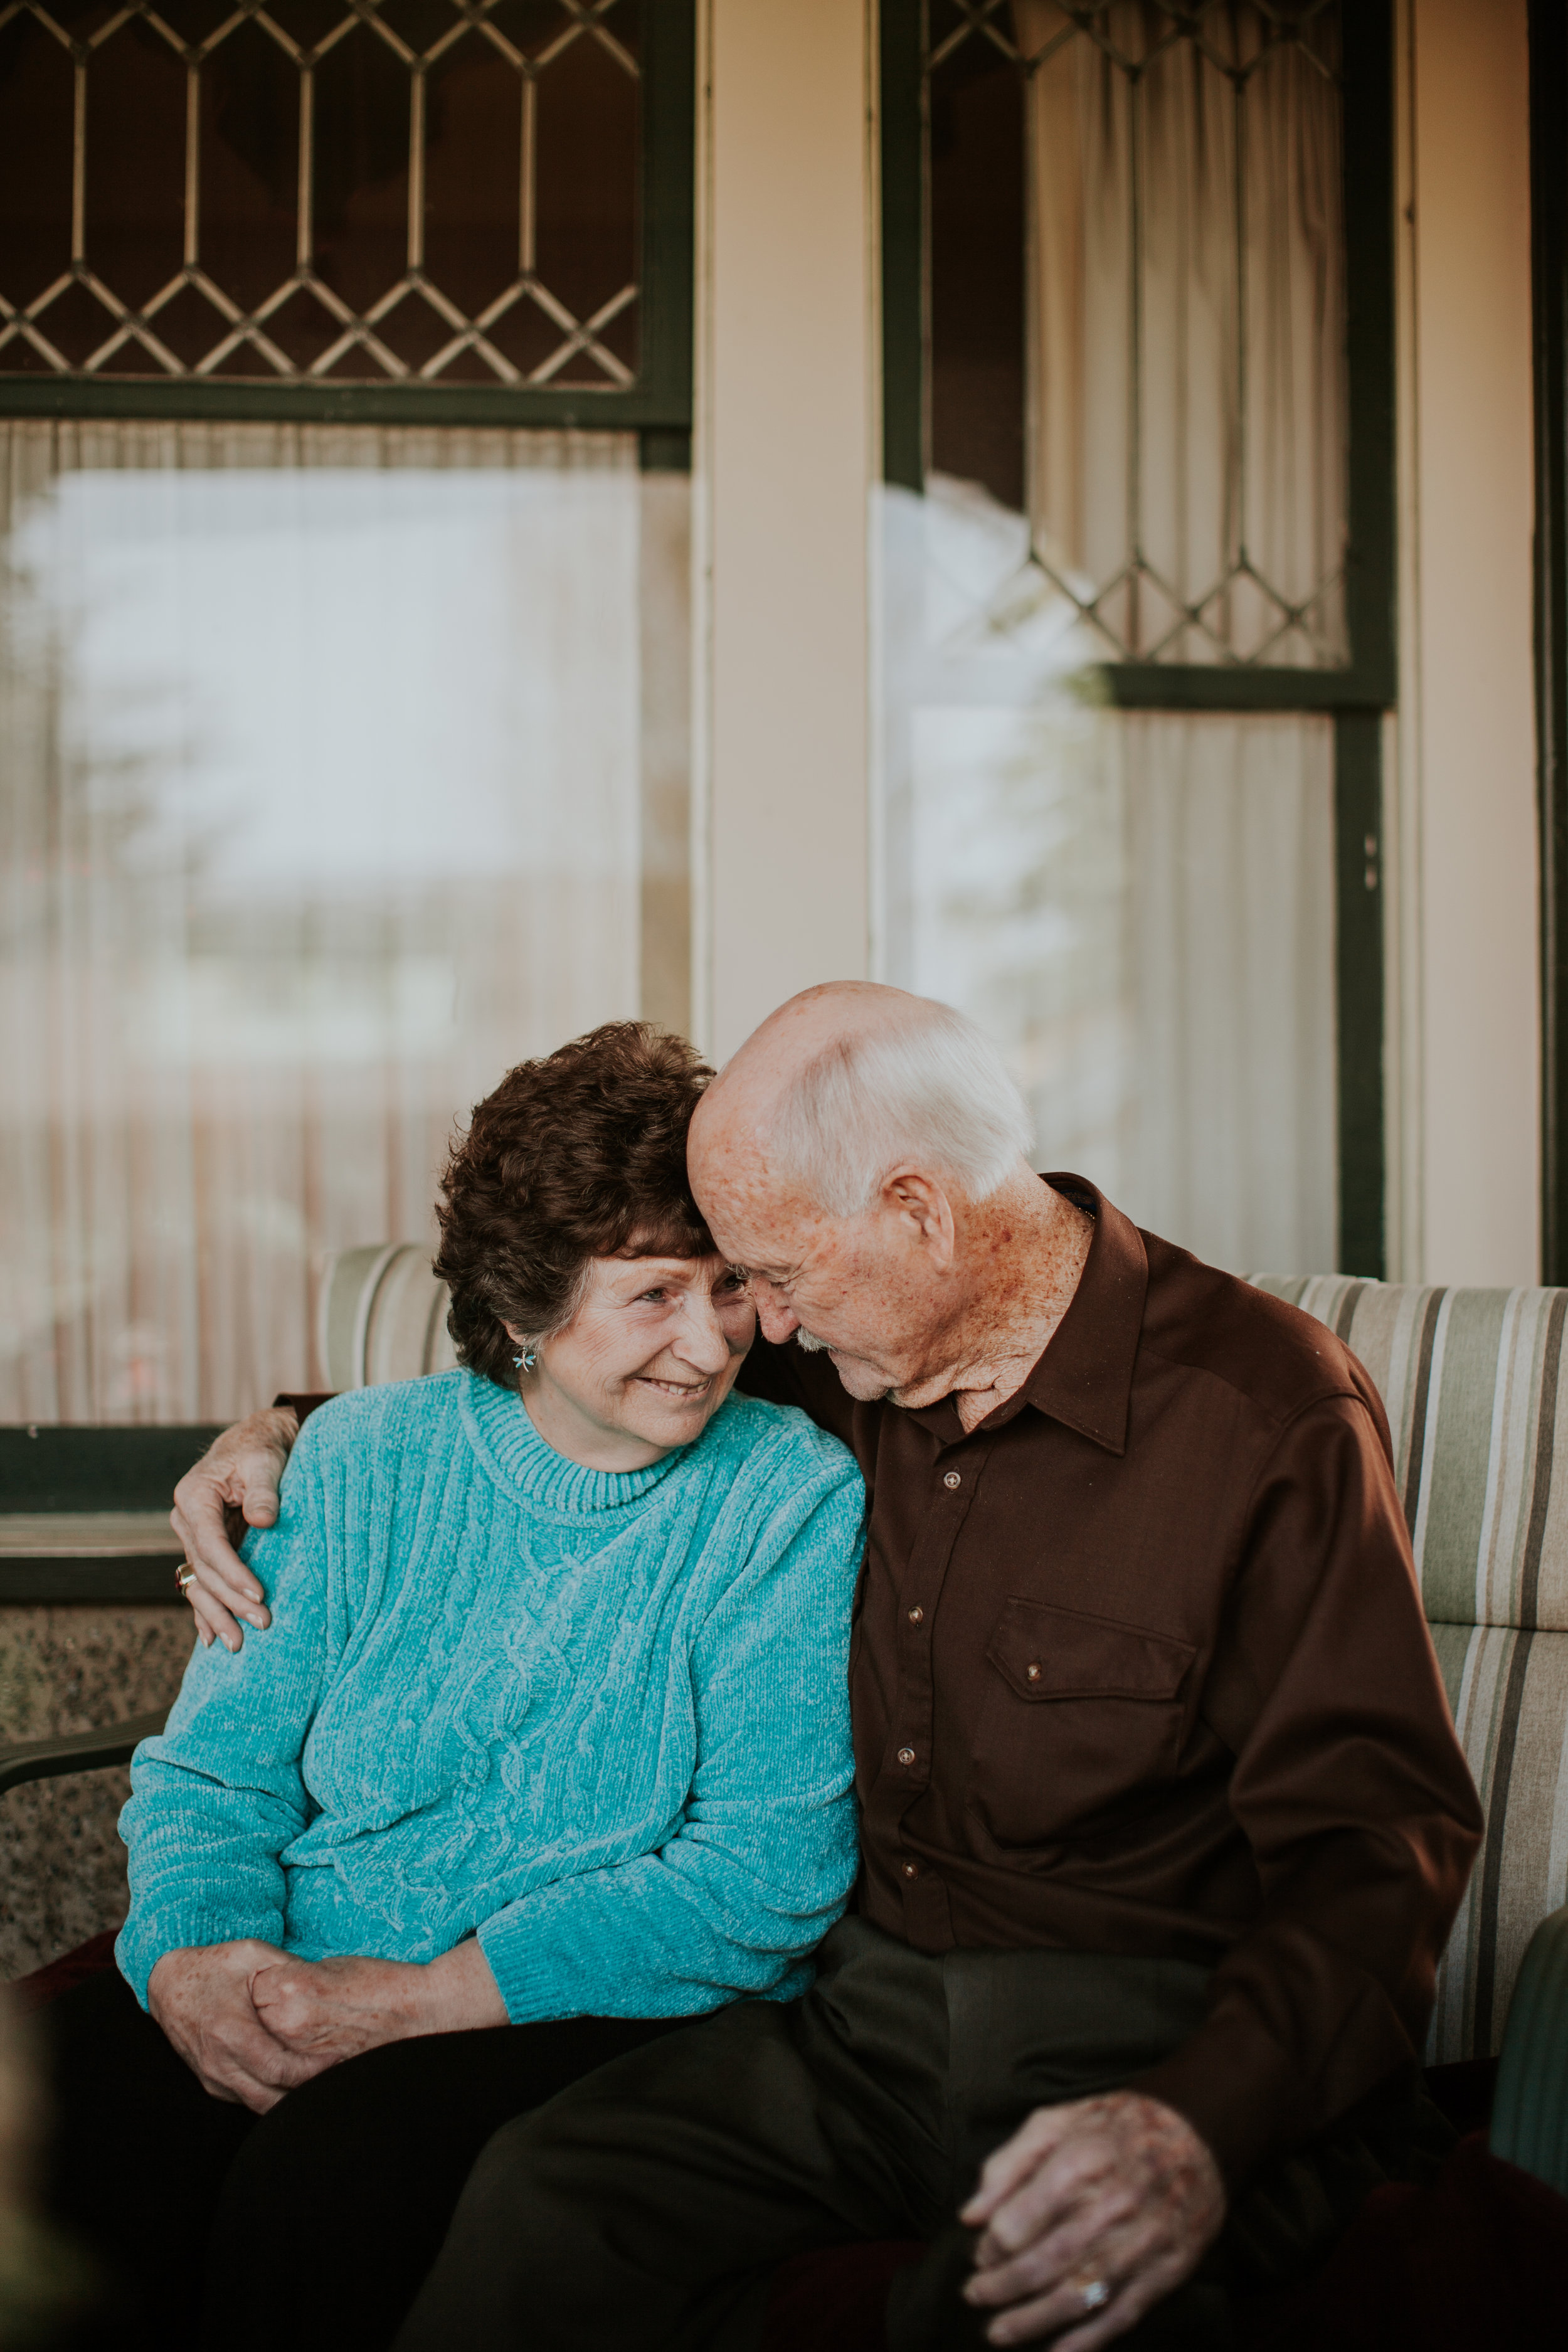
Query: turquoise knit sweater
600	1719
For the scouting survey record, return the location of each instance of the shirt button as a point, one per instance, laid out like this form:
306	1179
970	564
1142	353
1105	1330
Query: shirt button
917	1616
906	1755
1031	1673
953	1480
911	1870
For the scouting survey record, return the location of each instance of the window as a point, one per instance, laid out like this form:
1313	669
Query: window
1137	553
343	639
310	199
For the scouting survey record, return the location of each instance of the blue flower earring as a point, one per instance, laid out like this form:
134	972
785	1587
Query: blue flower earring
526	1362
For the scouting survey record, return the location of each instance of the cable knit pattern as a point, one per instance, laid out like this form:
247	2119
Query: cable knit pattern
600	1719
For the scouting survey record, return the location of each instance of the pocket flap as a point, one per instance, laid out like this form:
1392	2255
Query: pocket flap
1045	1652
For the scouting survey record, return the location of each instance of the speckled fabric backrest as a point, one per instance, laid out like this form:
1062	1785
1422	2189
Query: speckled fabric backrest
1477	1410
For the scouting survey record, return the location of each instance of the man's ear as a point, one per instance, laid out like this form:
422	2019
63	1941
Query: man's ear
910	1194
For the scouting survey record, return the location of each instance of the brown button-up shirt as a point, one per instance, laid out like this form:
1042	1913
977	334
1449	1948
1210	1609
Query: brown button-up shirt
1139	1667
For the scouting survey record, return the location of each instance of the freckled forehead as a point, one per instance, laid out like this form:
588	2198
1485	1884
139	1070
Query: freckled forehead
762	1230
759	1219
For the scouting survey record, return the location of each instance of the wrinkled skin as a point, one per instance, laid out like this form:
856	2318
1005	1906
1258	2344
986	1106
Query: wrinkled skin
1117	2189
926	1295
252	2021
232	1487
202	1999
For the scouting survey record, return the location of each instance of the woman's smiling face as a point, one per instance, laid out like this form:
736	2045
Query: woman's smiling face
648	1357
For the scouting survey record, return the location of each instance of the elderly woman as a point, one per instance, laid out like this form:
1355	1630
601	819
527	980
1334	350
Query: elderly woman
545	1746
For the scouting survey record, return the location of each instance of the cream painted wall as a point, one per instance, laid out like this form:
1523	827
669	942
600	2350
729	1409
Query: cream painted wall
783	457
1471	1041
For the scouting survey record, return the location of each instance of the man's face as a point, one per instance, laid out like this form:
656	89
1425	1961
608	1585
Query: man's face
862	1287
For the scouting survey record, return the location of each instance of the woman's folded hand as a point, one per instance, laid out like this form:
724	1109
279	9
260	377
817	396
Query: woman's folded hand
202	1999
326	2010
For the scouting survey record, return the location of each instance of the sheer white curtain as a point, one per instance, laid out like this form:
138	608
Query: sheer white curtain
322	773
1186	311
1138	905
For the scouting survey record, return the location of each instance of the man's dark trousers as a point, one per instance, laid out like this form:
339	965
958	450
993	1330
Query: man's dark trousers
647	2205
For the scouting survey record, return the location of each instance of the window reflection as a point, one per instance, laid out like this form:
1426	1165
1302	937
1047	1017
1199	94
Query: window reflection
324	778
1137	906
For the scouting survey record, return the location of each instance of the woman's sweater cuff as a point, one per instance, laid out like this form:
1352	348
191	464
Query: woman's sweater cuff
145	1938
528	1978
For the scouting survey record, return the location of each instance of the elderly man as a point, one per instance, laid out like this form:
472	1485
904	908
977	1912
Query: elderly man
1163	1822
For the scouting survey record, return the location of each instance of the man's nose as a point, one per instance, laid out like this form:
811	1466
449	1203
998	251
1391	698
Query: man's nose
776	1318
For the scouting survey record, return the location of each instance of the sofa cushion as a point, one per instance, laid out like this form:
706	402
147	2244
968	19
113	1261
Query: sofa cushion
1508	1691
381	1316
1478	1414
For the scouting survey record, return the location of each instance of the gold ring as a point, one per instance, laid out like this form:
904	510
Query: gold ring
185	1575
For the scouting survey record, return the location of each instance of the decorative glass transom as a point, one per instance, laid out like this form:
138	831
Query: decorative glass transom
1185	316
437	192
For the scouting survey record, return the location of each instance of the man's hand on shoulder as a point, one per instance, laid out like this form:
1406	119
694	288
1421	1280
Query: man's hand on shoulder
1091	2212
235	1485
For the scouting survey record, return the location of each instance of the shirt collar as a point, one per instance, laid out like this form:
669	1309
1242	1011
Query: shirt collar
1083	1378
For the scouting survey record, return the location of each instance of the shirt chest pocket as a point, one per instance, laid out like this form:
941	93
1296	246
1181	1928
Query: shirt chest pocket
1080	1713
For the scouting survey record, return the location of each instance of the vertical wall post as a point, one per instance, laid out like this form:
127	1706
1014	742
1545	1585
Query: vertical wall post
785	442
1548	262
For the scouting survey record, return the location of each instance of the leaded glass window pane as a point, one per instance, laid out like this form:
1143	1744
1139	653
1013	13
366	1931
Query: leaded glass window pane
424	192
1181	309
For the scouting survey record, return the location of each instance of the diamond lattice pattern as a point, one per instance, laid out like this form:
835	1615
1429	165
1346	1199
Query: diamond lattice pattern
430	192
1188	444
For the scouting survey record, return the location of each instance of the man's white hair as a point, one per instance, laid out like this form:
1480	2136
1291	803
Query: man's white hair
925	1086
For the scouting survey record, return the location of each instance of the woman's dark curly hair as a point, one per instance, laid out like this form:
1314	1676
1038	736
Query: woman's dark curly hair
577	1156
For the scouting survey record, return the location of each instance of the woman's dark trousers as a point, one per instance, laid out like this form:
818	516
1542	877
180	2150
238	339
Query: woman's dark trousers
310	2227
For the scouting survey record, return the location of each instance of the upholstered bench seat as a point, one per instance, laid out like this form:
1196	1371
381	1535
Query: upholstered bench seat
1477	1408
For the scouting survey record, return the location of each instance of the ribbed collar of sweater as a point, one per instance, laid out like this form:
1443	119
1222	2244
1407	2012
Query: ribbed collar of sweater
522	1462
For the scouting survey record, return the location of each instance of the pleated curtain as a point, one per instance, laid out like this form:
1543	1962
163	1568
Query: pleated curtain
320	809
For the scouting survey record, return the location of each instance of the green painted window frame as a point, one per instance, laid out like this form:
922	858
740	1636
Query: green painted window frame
657	406
60	1468
1357	695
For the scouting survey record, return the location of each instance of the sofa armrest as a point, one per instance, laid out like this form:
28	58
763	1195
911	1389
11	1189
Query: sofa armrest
77	1751
1530	2113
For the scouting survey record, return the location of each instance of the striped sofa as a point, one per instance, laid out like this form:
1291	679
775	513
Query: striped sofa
1480	1422
1479	1415
1476	1408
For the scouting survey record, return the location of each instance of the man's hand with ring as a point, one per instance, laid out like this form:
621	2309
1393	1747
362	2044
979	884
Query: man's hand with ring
234	1485
1091	2212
